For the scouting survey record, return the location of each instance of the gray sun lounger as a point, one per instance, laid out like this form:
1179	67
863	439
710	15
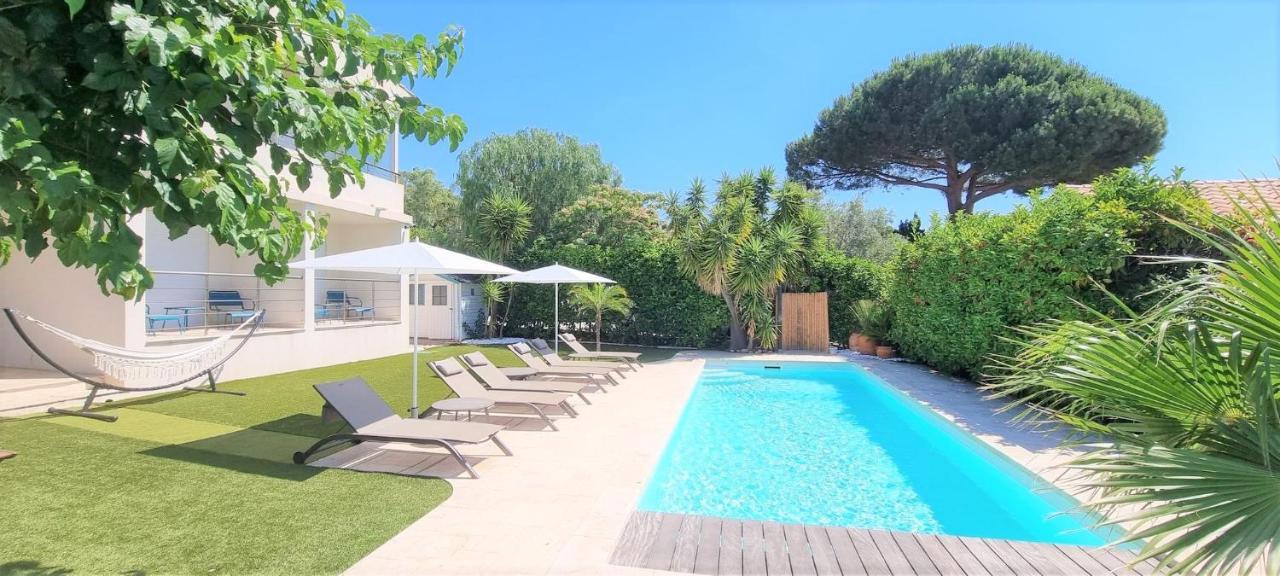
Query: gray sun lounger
466	386
551	357
371	419
541	368
493	378
580	351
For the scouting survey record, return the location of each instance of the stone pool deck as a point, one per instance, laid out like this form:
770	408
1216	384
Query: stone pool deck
565	503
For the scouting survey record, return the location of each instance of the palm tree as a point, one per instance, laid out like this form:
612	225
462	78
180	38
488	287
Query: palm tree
600	298
1187	395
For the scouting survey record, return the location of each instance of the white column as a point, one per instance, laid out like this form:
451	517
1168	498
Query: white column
308	277
135	313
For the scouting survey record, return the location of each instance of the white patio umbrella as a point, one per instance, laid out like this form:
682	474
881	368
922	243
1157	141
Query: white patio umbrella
557	275
412	258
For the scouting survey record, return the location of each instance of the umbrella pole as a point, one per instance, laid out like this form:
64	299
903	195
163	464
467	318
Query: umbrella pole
413	411
556	329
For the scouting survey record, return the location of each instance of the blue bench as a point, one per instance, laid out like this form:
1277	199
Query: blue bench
231	305
350	304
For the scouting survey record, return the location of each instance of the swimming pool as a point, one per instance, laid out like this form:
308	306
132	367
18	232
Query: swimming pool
829	443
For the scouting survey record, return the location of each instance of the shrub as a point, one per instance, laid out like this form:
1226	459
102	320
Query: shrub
669	309
957	289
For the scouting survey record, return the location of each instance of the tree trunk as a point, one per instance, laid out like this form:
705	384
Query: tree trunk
737	334
511	292
599	320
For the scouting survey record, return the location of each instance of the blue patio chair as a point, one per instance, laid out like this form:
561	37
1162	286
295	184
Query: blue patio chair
231	305
322	312
163	320
351	304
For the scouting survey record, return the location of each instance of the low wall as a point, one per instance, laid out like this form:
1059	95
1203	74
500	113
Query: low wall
288	350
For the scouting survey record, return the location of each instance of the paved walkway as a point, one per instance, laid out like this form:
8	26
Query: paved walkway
556	506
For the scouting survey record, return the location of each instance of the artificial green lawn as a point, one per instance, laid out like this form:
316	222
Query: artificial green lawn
190	482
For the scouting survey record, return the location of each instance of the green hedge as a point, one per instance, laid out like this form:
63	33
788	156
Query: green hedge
959	288
669	309
846	280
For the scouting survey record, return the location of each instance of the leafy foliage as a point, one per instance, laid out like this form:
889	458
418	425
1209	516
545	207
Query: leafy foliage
846	280
108	109
492	293
503	222
861	232
436	210
1188	393
549	171
957	288
872	318
606	215
1159	203
597	299
971	122
669	309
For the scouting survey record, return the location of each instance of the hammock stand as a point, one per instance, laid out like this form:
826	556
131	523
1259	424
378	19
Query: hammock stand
209	372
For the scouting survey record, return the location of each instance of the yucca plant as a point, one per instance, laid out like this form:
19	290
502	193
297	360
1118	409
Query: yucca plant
1186	398
492	293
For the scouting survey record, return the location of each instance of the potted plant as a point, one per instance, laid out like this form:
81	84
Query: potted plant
881	321
868	317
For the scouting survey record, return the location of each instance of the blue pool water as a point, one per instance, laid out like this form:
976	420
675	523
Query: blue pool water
828	443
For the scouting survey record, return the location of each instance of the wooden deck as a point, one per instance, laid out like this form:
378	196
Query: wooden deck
707	545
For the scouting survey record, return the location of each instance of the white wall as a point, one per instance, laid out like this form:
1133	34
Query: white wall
275	352
68	298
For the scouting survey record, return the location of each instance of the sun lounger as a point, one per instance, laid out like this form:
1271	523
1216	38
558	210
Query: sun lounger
541	368
580	351
371	419
466	386
494	379
551	357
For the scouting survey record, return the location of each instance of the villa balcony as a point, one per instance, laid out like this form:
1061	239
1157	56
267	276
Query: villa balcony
193	305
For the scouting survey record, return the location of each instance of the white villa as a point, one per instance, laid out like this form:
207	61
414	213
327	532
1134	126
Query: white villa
313	318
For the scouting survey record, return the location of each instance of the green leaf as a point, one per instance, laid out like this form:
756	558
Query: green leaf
13	41
75	6
166	154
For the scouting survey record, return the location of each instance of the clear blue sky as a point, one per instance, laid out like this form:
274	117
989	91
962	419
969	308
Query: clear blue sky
670	91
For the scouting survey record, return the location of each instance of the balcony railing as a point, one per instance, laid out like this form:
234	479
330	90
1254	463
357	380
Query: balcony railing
345	300
203	303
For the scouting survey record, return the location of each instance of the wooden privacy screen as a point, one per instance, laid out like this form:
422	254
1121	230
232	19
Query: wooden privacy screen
804	321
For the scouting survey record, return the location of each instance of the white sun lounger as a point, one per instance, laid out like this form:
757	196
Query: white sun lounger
580	351
466	386
549	355
541	368
494	379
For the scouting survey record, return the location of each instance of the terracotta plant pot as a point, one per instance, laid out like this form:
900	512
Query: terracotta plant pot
865	344
853	340
886	351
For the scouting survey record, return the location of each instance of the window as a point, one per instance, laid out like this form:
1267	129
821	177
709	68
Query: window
412	300
439	295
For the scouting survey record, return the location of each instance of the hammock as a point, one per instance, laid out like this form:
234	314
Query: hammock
138	371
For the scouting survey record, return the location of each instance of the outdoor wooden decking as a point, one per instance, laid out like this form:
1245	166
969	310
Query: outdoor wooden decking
707	545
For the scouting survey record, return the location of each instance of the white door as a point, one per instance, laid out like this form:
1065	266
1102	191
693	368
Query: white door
434	302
